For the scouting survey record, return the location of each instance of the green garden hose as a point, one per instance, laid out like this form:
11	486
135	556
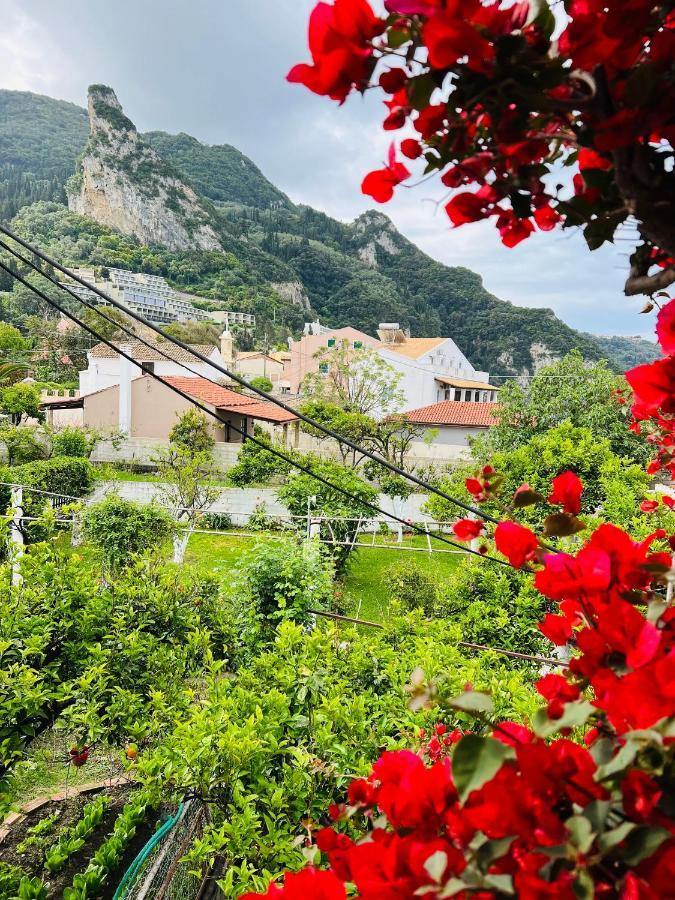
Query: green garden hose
146	850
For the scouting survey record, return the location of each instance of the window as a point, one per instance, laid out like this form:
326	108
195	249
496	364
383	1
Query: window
331	342
358	345
458	395
323	368
476	396
148	368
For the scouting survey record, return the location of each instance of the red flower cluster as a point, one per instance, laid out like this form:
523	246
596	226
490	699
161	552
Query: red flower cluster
653	387
340	41
493	146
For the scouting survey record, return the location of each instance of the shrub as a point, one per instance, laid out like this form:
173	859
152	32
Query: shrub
122	529
262	383
73	441
494	605
255	464
217	521
286	578
412	587
24	444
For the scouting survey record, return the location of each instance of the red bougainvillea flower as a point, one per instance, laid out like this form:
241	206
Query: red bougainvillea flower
654	387
468	529
665	328
649	506
339	43
567	490
361	792
306	883
380	184
466	207
413	7
546	218
589	159
450	36
517	543
558	629
558	691
513	230
640	795
411	148
409	793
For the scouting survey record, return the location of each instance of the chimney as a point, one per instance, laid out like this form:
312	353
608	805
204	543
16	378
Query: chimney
227	347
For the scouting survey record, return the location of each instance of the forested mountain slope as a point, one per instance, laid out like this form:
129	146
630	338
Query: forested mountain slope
282	260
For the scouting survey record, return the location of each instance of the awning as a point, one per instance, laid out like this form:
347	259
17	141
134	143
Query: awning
62	403
465	383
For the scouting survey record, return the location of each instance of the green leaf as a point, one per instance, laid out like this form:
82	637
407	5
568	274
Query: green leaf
575	714
420	90
475	761
501	883
472	701
615	836
581	832
542	14
583	886
436	864
491	850
596	812
642	842
618	763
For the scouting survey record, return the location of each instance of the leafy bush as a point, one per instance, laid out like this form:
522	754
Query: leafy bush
255	464
494	605
262	383
121	529
118	652
24	444
410	585
73	441
272	747
72	839
217	521
612	486
286	578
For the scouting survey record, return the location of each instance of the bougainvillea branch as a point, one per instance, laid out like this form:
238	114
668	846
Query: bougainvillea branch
578	802
498	98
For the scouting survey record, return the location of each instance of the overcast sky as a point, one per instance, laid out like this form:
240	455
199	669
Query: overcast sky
215	69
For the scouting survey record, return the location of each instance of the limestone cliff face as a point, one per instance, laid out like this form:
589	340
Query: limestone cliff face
122	183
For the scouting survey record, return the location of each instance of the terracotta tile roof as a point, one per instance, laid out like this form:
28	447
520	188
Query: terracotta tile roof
451	412
414	347
140	352
229	401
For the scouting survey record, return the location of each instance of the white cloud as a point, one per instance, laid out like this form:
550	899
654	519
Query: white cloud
30	59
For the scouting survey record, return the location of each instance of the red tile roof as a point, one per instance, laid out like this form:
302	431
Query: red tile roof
230	401
454	412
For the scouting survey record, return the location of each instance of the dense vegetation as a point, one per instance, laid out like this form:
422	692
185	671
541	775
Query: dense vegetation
359	274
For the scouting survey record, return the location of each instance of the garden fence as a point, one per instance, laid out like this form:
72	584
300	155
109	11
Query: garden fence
159	872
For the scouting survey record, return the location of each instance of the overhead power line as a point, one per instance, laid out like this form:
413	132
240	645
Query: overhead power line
467	507
265	446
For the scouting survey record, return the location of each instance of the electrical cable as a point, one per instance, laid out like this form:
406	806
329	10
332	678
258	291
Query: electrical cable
232	375
268	447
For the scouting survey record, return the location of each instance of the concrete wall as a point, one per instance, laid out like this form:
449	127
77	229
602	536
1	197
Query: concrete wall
140	452
239	503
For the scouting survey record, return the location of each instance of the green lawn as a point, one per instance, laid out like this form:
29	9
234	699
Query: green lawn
365	584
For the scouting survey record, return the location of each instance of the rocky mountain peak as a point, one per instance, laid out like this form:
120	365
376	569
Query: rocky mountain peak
123	183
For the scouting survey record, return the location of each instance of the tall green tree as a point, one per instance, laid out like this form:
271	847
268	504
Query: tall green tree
568	390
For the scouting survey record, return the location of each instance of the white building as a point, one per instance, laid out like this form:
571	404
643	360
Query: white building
431	370
106	368
149	295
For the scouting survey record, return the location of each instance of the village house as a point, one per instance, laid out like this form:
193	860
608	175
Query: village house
431	370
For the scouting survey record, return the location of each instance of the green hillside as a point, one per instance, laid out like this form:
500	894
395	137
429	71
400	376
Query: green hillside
40	140
359	274
626	352
219	172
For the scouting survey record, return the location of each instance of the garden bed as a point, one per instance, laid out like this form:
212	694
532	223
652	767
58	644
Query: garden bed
20	848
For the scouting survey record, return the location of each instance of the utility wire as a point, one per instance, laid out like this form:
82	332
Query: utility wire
232	375
268	447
